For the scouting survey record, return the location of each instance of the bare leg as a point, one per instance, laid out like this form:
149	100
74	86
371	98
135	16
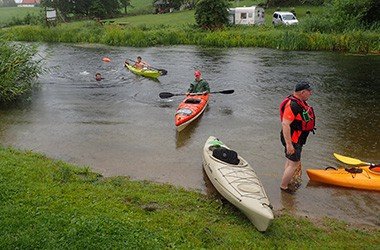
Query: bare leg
296	180
290	168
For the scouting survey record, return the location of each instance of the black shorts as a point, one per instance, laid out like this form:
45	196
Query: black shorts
296	156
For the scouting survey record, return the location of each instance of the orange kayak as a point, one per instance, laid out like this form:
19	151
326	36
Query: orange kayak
189	110
360	178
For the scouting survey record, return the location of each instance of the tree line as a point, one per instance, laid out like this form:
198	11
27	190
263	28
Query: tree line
87	8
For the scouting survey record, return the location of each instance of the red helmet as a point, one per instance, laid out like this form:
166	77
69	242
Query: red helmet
197	73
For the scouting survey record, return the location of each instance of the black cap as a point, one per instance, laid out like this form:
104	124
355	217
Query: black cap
302	85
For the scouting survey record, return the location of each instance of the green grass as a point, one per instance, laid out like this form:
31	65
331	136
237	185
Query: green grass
175	19
48	204
7	13
152	34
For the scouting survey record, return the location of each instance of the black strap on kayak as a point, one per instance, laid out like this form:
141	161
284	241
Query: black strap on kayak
268	205
327	168
354	170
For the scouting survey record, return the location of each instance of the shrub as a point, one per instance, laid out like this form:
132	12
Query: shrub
18	71
211	14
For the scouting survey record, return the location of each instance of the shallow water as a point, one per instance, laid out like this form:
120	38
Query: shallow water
120	126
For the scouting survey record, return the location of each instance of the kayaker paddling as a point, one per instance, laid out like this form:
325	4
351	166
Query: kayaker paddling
199	85
140	64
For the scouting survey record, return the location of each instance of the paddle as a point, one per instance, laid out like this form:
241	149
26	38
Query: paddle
353	161
168	94
162	71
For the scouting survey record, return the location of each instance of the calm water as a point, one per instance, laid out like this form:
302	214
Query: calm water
120	126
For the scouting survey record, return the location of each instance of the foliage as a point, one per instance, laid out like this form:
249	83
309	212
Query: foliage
48	204
344	15
16	15
8	3
28	19
284	38
18	70
211	14
85	8
125	4
277	3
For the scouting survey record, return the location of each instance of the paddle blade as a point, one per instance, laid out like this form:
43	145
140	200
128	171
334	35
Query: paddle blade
163	72
230	91
349	160
166	95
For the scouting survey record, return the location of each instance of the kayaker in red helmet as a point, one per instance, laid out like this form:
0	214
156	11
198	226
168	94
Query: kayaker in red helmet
199	85
297	120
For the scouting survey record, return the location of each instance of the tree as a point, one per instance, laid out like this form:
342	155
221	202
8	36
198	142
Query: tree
125	4
352	13
211	14
84	8
8	3
103	8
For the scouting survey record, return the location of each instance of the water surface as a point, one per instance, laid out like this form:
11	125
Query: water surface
120	126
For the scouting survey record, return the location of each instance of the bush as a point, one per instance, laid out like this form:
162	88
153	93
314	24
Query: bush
18	71
211	14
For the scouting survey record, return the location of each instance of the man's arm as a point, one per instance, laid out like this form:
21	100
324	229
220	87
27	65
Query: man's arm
288	139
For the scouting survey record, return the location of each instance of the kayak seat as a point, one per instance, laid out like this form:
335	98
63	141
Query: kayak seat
193	101
226	155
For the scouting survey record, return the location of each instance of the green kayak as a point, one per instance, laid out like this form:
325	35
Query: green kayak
152	73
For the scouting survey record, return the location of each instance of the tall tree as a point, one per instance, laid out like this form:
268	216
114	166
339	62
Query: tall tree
211	14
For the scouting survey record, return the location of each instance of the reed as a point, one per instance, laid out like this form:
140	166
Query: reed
18	70
284	38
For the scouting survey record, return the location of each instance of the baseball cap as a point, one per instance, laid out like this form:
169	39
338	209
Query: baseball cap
197	73
302	85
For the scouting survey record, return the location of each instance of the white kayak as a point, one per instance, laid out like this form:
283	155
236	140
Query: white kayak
237	182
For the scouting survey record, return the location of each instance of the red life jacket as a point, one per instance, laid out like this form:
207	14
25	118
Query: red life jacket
307	114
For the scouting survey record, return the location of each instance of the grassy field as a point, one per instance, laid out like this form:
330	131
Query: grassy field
7	13
177	19
178	28
48	204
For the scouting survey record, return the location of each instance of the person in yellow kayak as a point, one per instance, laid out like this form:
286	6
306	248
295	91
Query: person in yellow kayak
140	64
297	120
199	85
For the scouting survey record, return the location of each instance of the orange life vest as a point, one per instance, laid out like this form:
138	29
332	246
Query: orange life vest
307	124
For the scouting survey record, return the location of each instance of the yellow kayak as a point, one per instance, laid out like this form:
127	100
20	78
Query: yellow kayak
357	177
152	73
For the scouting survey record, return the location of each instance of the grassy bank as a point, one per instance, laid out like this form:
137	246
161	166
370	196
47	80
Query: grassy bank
179	28
49	204
284	38
9	13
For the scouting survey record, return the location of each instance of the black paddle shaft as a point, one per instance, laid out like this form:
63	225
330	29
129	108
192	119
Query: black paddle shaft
168	94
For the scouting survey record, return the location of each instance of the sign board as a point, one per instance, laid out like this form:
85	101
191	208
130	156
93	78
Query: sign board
51	14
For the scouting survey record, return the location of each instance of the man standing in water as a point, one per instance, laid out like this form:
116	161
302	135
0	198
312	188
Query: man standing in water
297	120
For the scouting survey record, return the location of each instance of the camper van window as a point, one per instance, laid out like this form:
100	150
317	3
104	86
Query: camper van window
243	16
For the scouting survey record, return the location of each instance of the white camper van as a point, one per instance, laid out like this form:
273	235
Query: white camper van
246	15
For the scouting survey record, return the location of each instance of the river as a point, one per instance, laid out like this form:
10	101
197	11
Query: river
119	126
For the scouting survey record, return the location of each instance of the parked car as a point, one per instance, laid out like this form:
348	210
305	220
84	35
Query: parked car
285	18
